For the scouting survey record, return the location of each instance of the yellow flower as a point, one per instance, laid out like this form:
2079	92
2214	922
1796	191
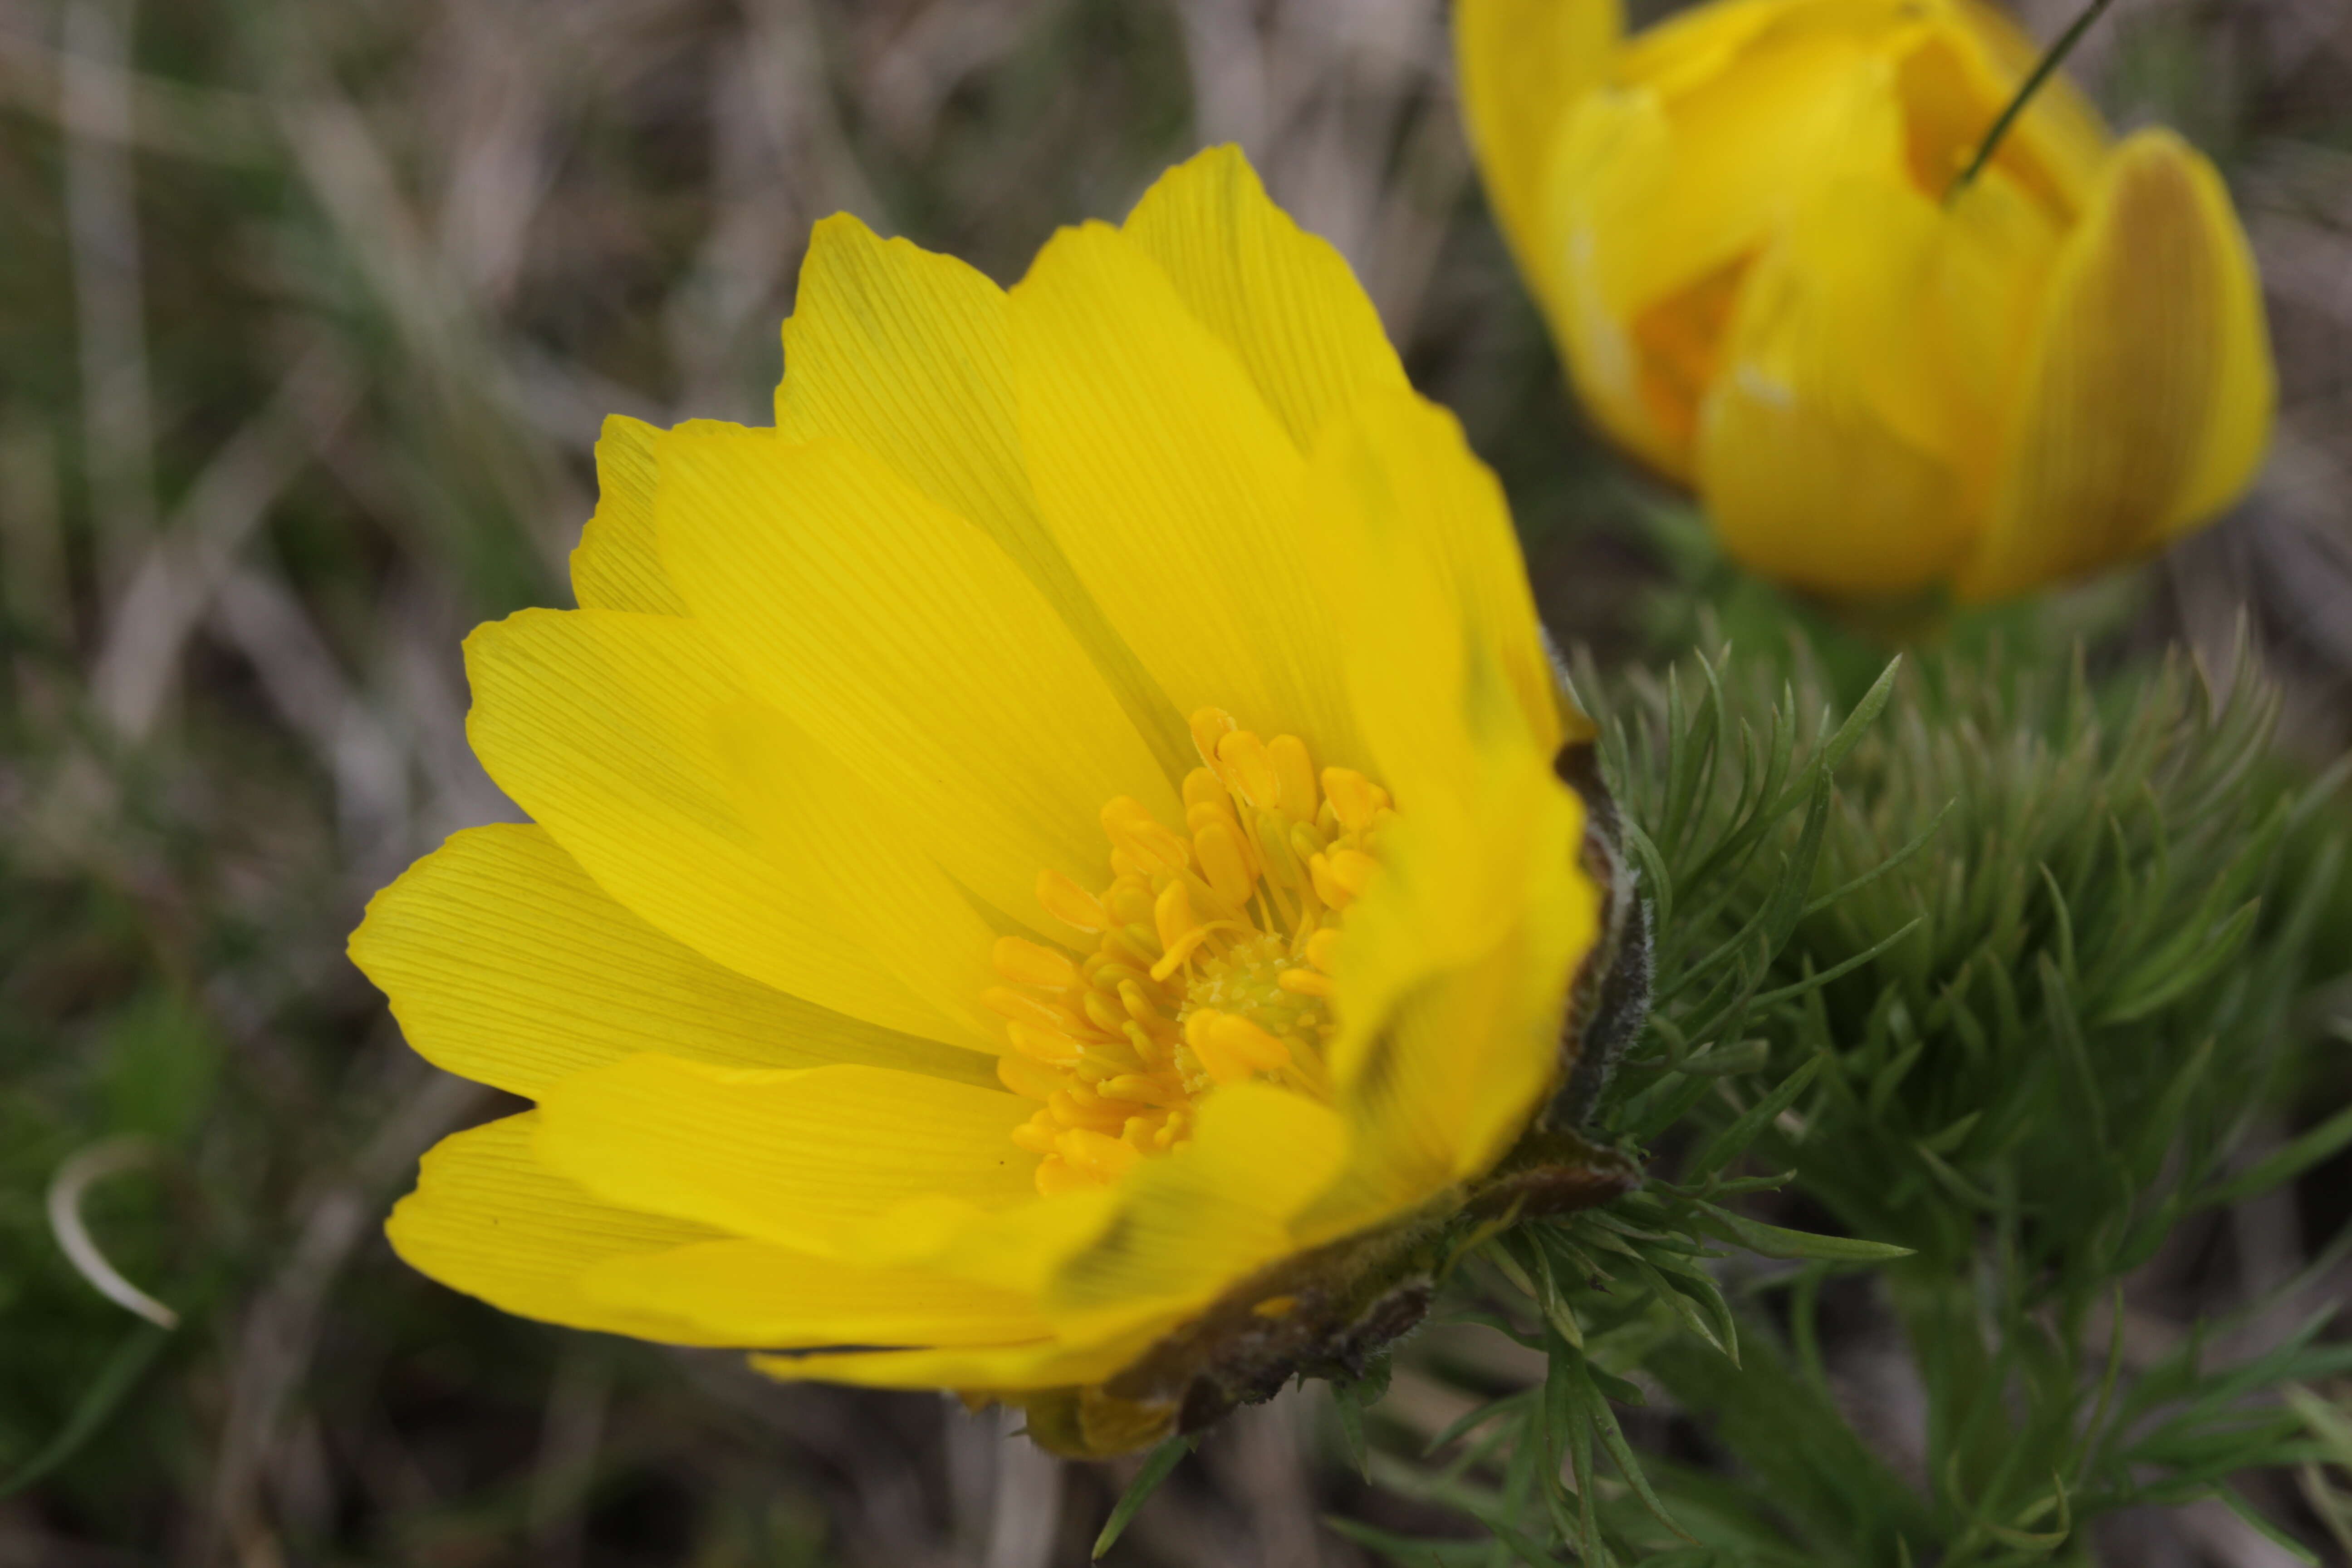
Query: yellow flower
1046	866
1743	227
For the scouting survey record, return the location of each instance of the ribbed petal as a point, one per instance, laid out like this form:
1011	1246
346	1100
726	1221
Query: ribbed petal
1394	481
489	1219
788	1157
600	725
505	964
2147	402
616	566
906	642
907	354
1195	1221
1456	959
754	1293
1172	487
1281	299
1049	1363
891	899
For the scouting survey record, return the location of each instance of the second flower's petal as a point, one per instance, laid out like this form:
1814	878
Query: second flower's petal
2147	403
1825	455
1173	489
754	1293
1523	65
490	1219
600	725
1283	299
789	1157
507	963
905	641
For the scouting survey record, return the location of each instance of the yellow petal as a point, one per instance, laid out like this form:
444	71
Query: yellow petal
1414	525
616	566
1047	1364
905	642
506	964
2146	401
1436	1086
754	1293
489	1219
1281	299
2245	389
1523	65
1193	1222
790	1157
599	724
1172	487
907	354
890	896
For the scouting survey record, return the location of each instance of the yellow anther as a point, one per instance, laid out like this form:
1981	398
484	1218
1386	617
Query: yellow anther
1294	776
1029	1079
1209	726
1202	788
1144	1088
1351	798
1056	1176
1130	899
1104	1012
1218	849
1326	886
1050	1046
1304	983
1172	916
1037	1133
1069	903
1352	869
1098	1153
1245	1039
1028	963
1012	1005
1250	767
1133	831
1139	1005
1217	1059
1323	948
1173	960
1071	1113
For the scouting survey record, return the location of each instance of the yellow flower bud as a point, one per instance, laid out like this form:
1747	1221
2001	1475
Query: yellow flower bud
1746	229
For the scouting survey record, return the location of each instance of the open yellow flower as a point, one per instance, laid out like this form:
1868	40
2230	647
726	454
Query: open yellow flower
1046	875
1743	229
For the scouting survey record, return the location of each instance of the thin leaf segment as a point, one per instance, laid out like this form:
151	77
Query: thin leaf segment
1214	955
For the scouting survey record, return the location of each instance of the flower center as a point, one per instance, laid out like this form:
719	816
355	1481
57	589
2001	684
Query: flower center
1212	960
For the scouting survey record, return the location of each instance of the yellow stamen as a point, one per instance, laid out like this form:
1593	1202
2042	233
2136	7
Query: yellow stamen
1212	962
1069	903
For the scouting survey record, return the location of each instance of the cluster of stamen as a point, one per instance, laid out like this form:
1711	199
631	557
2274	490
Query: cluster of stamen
1212	962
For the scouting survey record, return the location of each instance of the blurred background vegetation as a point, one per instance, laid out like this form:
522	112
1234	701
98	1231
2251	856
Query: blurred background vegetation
309	312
